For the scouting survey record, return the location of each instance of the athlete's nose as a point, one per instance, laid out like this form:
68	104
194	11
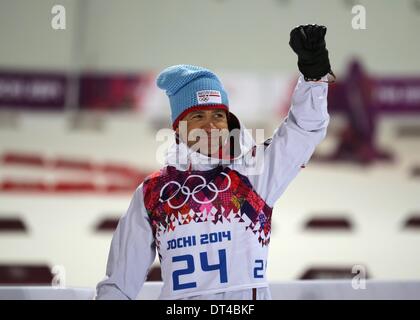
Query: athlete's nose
209	126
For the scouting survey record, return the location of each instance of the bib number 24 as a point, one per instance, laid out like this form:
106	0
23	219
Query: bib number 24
205	266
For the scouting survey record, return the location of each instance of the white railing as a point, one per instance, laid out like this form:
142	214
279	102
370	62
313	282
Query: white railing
288	290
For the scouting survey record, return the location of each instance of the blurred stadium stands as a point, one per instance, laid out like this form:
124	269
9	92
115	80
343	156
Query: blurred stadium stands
333	216
70	162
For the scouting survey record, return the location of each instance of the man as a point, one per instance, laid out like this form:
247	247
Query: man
208	211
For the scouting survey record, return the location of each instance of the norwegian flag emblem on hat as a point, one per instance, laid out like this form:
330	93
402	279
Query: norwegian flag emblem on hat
209	96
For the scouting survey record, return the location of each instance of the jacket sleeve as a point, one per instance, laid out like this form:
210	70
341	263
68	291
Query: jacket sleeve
294	142
131	254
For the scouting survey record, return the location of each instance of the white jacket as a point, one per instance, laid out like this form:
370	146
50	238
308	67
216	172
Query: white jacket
208	219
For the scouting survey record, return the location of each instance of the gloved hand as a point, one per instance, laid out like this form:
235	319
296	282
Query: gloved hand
308	42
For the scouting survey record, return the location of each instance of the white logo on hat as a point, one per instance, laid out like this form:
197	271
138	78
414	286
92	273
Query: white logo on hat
209	96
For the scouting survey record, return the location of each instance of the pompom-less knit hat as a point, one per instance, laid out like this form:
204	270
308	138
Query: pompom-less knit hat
190	88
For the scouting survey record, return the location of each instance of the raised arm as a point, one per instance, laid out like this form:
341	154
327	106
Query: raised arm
294	142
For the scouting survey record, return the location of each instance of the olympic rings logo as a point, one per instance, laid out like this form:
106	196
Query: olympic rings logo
204	98
186	191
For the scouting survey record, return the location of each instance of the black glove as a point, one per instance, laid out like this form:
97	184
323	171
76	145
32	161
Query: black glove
308	42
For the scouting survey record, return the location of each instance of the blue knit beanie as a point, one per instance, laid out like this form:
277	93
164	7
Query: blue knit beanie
190	88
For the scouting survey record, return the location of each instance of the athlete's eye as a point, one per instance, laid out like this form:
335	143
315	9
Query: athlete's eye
197	117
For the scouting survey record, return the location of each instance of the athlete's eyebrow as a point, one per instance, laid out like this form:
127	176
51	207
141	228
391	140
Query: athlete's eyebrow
196	112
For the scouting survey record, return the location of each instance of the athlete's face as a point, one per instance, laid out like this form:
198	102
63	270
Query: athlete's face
206	130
